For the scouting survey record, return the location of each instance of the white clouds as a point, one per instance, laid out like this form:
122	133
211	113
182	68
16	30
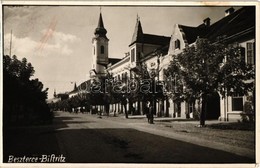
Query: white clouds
59	44
68	38
22	47
54	42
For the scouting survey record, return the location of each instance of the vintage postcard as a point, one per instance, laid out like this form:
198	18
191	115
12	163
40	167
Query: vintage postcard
129	84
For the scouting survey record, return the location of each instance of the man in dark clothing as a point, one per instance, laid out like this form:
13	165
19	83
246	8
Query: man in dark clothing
147	111
151	113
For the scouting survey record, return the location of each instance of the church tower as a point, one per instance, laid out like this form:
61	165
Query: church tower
100	49
137	44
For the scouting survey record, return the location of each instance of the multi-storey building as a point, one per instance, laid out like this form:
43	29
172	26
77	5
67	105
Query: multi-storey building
235	27
156	52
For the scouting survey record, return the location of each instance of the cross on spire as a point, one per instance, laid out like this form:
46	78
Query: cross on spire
137	17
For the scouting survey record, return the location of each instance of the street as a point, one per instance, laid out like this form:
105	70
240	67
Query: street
85	138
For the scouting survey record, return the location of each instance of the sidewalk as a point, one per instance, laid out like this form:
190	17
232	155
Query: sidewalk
169	119
239	142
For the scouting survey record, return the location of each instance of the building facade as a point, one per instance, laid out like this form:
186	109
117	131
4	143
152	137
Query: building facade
156	53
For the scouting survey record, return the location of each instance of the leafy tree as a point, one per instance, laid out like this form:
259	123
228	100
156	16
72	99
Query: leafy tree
24	98
206	68
145	88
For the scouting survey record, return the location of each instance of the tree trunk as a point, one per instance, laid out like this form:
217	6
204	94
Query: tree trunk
126	112
203	110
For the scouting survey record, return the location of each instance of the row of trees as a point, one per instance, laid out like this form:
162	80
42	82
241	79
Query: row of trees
200	71
24	99
106	90
68	104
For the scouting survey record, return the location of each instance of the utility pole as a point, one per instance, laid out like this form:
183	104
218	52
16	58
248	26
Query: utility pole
11	44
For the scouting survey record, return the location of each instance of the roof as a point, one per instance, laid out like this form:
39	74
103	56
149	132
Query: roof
237	22
113	60
242	20
140	37
121	62
100	31
155	39
161	50
138	33
192	33
152	39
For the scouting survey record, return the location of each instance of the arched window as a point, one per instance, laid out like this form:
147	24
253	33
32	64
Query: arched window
102	49
177	44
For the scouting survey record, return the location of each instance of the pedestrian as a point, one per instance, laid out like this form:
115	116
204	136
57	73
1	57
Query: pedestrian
150	113
147	111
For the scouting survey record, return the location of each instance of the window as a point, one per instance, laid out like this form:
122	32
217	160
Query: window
124	77
177	109
237	103
177	44
139	56
250	53
102	49
191	107
242	54
133	55
94	50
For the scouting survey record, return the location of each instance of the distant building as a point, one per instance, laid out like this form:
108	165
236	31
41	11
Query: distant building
55	98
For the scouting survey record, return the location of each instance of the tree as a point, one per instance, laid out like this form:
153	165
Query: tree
24	98
144	87
206	68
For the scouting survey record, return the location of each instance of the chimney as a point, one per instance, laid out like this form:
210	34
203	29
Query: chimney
229	11
207	22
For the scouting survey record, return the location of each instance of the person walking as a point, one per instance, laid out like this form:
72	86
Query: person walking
150	113
147	111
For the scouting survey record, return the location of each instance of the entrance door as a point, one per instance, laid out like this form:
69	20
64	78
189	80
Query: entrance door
213	106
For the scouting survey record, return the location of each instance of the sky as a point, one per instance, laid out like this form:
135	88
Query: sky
57	40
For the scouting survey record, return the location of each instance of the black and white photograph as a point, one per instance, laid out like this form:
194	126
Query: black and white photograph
125	84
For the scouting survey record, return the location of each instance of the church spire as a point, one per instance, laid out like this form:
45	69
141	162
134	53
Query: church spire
75	86
138	32
54	94
100	31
